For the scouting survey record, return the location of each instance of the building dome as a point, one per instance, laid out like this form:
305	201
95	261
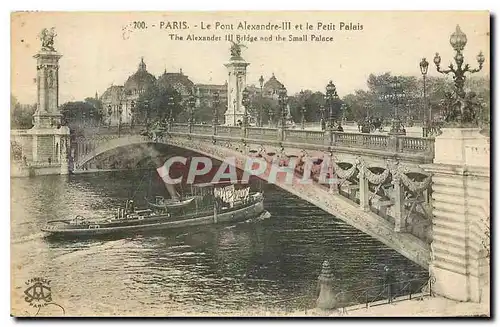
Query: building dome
273	83
112	94
272	86
178	81
139	81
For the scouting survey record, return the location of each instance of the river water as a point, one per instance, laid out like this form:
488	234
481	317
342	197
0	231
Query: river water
260	265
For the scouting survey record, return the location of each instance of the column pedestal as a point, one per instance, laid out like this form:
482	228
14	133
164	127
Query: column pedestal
237	72
460	201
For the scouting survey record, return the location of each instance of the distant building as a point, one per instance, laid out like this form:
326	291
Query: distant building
271	87
178	81
125	97
205	94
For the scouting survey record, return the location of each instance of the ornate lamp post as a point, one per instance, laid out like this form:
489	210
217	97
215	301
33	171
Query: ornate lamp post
322	120
458	40
366	125
120	111
303	122
110	111
191	104
171	104
146	106
343	110
426	124
91	118
396	95
330	97
283	100
245	100
132	114
215	118
84	119
216	103
271	116
261	109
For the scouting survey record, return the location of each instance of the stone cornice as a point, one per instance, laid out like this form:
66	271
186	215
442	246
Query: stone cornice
462	170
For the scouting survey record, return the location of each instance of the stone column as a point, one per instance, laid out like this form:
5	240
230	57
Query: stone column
326	299
35	148
64	146
281	133
364	192
47	114
333	187
393	143
57	149
460	199
330	136
47	117
237	72
398	200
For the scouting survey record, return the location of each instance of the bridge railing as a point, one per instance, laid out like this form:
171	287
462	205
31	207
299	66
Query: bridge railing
350	301
305	136
261	133
381	142
387	293
202	129
180	128
233	131
416	144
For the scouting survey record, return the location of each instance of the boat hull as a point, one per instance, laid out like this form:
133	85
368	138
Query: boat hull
242	214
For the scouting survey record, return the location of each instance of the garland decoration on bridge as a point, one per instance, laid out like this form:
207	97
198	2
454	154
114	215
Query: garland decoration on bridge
414	186
344	173
376	178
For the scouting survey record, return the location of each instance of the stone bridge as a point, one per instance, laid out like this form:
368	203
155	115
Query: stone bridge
381	191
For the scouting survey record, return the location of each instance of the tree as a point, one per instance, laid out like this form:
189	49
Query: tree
308	100
360	105
80	114
21	116
264	105
481	87
155	103
96	103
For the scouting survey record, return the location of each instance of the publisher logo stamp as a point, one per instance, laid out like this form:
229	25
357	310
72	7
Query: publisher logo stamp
38	292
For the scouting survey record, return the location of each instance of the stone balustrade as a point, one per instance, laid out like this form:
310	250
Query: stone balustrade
202	129
404	145
261	133
179	128
233	131
416	144
304	136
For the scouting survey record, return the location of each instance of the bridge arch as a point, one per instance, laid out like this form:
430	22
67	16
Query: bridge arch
363	219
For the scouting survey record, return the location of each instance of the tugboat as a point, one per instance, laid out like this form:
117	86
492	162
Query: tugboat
213	204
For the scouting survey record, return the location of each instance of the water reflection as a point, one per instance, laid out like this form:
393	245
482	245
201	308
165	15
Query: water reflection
193	270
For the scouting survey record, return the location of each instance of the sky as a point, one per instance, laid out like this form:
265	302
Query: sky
101	49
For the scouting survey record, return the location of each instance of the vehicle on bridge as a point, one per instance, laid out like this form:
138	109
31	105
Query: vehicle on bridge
213	204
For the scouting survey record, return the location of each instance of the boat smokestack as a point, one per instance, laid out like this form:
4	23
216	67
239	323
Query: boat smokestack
172	191
163	173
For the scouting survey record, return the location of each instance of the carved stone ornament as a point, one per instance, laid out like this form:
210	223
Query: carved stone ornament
47	37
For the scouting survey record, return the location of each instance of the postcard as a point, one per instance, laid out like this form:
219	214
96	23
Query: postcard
250	164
